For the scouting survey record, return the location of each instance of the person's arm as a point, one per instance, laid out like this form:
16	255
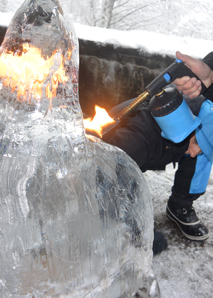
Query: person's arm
191	86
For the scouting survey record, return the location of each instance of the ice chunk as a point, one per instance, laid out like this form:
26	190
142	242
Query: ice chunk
76	218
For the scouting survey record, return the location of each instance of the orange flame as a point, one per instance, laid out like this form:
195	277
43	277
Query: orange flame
28	72
100	120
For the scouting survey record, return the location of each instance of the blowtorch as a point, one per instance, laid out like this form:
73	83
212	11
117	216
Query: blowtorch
167	107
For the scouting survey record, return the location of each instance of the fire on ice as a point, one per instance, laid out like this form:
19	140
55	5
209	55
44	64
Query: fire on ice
98	122
27	73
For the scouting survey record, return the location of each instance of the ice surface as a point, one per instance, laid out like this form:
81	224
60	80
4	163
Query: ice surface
76	219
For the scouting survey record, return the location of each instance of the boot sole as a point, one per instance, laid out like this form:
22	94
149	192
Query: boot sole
175	220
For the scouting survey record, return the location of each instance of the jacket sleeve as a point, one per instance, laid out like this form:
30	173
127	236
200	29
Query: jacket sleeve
208	59
139	136
131	139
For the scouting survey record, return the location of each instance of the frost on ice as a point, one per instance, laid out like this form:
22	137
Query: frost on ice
76	218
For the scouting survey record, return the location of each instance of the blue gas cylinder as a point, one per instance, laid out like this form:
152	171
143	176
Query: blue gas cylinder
173	115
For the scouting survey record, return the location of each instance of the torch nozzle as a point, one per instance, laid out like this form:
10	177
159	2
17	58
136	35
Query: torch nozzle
138	100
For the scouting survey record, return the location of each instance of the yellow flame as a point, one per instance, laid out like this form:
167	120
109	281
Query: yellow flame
28	72
100	120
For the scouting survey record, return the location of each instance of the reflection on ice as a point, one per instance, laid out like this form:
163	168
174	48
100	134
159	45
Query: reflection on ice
75	217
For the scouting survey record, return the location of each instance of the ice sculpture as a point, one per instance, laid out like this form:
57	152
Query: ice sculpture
76	218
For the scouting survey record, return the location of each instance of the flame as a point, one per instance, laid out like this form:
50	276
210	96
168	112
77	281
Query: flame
27	73
100	120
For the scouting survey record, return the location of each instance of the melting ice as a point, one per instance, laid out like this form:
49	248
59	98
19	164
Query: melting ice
76	218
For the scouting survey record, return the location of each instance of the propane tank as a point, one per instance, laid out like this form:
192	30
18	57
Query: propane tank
173	115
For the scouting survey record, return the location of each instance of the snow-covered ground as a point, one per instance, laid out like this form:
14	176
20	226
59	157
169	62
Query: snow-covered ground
185	269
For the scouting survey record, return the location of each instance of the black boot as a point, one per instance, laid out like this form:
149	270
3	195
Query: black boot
159	243
187	221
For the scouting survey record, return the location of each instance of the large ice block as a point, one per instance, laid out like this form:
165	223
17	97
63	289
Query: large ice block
76	219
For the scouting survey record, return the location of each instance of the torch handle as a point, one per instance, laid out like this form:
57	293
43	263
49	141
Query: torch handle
176	70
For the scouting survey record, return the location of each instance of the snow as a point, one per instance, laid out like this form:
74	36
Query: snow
145	40
5	18
185	269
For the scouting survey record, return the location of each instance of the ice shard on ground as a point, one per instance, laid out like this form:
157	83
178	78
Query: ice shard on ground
76	218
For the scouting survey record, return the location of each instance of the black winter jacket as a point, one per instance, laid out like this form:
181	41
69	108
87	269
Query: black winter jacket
140	137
